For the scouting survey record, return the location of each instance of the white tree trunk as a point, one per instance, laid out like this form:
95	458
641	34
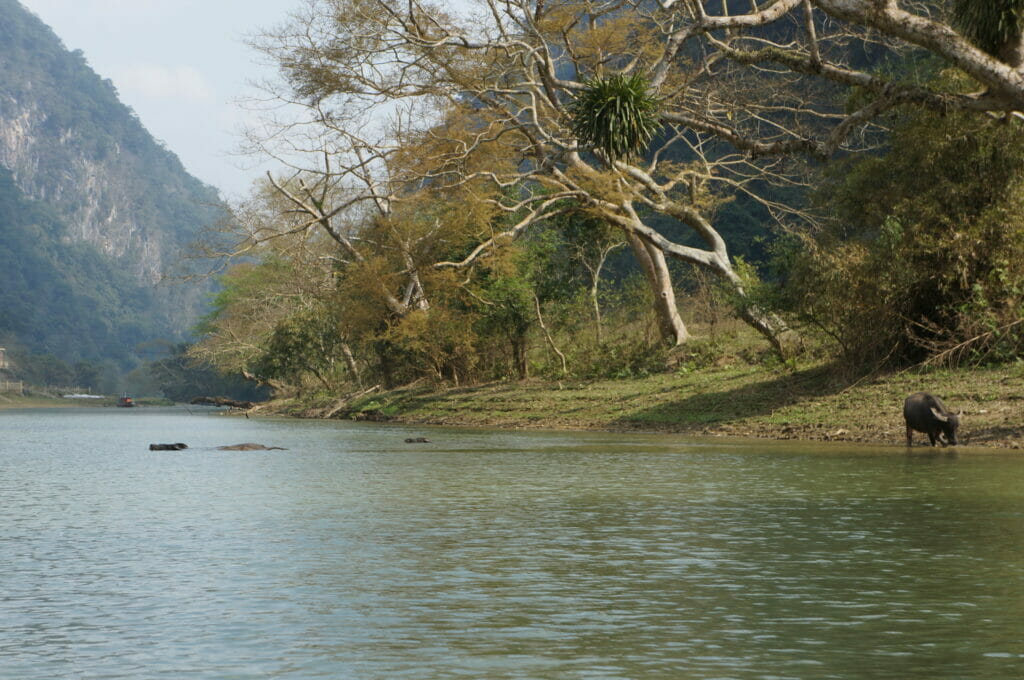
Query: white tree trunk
655	268
350	361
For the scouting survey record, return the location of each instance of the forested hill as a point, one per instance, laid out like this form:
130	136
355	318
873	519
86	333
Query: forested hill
94	213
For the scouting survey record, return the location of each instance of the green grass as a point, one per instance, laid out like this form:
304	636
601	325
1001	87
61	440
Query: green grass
809	402
728	383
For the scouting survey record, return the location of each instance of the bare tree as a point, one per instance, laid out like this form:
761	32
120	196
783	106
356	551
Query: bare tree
982	39
293	277
477	108
338	182
593	260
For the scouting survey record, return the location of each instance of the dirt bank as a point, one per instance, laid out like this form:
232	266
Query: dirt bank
749	401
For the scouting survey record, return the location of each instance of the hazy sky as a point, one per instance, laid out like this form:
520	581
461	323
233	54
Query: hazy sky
182	65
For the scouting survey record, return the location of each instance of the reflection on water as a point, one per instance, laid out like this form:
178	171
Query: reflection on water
495	555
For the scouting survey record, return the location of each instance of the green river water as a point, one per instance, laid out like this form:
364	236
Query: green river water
492	555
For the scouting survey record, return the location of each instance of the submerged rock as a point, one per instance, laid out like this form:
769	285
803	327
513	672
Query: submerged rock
168	447
250	446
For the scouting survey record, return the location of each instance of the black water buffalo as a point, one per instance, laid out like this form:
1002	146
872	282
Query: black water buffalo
926	413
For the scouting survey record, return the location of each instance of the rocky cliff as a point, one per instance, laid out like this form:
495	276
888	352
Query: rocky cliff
73	150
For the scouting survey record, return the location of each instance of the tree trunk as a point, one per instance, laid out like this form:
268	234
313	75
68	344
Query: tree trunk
350	361
652	261
519	353
594	269
547	335
715	260
383	350
767	324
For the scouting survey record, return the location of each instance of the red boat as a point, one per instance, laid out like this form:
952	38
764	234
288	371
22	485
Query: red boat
125	401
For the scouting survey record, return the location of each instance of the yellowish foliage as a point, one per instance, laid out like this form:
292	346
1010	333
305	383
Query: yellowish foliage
596	39
441	341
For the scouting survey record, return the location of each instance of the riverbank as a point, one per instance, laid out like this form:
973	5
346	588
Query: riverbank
11	401
744	401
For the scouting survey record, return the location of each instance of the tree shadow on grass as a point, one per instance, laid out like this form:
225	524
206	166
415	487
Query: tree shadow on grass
994	434
745	401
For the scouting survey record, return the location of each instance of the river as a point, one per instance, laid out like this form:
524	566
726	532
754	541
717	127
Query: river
492	555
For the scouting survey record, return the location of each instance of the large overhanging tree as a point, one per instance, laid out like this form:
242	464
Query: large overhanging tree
644	114
982	38
483	106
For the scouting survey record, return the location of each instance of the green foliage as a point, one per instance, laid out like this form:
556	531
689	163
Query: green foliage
65	299
616	114
181	378
87	374
439	344
989	24
926	247
305	343
44	370
626	360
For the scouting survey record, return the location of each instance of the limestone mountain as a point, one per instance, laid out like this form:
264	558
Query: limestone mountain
95	215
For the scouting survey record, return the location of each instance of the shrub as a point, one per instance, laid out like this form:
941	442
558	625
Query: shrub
924	247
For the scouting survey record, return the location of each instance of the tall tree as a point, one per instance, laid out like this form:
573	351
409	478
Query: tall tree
500	95
492	100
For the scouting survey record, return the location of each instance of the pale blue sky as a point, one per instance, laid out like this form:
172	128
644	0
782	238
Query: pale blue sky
182	65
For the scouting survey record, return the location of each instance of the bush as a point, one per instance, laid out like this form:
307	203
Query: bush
923	253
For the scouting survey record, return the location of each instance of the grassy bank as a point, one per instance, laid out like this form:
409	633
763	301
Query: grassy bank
811	403
13	401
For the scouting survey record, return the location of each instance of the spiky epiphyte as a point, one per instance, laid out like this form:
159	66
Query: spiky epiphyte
616	114
989	24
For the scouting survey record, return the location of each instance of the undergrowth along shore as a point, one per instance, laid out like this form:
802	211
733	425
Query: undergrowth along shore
811	403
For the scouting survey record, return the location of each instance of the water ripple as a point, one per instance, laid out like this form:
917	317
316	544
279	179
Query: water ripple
494	555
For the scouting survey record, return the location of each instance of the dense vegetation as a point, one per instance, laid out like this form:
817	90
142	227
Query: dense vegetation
51	285
651	204
933	264
880	223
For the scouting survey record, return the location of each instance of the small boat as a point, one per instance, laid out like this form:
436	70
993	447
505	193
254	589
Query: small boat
125	401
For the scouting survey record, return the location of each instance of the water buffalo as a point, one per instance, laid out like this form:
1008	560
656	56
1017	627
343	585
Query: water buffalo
926	413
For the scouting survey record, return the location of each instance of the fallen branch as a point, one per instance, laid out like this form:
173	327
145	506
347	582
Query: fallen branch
223	401
952	356
345	401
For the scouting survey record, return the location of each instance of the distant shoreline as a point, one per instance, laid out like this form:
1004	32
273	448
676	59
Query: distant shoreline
10	402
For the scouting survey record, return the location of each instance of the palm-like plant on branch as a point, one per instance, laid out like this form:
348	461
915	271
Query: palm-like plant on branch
617	115
992	25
